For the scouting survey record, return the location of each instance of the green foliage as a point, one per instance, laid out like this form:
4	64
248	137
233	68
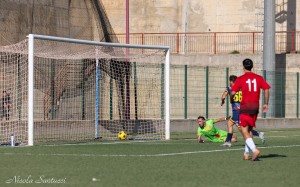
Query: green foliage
234	52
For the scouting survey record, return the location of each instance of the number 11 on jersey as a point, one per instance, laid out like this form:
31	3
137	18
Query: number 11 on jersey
250	85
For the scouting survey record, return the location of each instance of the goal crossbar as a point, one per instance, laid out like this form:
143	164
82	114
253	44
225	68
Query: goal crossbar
32	37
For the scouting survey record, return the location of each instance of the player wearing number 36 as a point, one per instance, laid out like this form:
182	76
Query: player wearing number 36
250	85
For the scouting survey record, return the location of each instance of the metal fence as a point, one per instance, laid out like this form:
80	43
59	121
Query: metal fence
197	90
216	42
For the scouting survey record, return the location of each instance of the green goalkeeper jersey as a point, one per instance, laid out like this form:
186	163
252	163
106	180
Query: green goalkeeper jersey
212	133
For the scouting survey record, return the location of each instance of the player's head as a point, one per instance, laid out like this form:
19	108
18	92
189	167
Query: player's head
248	64
201	121
232	79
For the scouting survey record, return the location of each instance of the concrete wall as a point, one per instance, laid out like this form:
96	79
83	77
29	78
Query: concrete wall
199	15
76	19
190	125
63	18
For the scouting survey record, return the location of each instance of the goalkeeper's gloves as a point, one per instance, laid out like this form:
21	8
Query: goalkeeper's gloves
228	117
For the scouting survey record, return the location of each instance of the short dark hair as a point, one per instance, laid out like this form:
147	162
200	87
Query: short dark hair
248	64
232	78
201	117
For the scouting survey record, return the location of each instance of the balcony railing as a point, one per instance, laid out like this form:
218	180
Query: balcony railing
216	42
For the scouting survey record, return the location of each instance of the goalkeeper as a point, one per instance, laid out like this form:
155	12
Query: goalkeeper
206	128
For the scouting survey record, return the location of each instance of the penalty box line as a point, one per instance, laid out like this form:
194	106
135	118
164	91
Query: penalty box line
145	155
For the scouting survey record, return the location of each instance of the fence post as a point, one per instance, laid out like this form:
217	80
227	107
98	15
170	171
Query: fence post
227	85
215	43
83	91
177	43
253	42
297	96
111	95
293	41
142	38
52	88
162	93
263	98
19	90
97	76
135	91
207	71
185	91
281	94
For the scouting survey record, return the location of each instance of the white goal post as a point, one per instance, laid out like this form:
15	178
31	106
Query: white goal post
31	73
57	89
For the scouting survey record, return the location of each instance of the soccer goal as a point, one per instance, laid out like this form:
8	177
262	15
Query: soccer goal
62	89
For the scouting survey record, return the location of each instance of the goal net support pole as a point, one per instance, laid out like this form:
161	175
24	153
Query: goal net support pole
30	88
97	99
167	96
31	56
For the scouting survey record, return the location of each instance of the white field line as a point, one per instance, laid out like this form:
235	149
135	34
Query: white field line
281	136
151	142
144	155
97	143
144	142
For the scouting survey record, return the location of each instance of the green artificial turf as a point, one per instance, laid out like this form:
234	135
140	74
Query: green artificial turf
180	162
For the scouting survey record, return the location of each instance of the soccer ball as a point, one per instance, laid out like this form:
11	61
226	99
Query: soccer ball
122	135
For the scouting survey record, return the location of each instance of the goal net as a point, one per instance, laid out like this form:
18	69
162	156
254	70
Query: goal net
60	89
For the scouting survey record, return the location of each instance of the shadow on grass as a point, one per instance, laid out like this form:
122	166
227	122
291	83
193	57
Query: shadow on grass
272	156
269	156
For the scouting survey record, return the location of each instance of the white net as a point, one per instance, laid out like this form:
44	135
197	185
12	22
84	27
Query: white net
130	93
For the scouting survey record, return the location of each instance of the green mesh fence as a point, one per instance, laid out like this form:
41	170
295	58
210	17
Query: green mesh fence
197	90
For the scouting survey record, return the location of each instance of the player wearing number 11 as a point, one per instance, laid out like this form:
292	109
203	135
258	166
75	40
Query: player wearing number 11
250	85
235	119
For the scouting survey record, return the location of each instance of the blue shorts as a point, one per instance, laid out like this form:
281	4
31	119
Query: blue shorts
235	117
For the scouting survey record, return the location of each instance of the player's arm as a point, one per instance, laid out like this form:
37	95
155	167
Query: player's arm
267	96
199	139
265	86
225	93
222	119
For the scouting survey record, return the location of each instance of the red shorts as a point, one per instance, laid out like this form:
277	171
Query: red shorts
248	120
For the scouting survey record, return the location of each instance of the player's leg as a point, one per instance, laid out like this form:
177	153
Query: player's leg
230	129
230	124
261	135
234	119
249	143
247	149
255	133
234	139
246	152
247	123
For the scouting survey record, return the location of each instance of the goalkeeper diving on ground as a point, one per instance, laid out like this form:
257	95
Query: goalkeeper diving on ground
209	131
